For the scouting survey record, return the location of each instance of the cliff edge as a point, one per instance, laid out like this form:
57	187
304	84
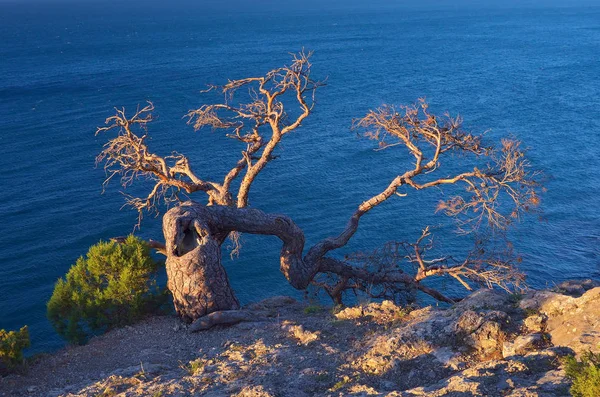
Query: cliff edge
491	343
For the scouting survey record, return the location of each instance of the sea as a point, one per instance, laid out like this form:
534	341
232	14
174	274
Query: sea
529	70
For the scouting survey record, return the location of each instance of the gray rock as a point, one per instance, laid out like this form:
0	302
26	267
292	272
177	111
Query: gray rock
576	288
572	321
484	332
536	323
484	299
448	358
523	345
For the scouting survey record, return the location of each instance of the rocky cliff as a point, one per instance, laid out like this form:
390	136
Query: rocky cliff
490	344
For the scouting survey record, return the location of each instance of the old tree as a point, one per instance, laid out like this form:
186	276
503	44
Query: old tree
495	186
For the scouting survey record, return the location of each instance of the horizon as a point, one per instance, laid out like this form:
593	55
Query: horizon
243	6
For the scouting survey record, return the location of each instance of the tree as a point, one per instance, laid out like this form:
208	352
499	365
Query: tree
115	284
498	185
12	344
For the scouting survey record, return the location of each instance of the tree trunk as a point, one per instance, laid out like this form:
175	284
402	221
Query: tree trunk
199	284
193	235
196	277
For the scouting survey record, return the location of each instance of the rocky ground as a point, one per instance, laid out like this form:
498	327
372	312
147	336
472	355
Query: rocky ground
490	344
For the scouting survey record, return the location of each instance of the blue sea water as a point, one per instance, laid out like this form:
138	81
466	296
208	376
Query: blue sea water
530	72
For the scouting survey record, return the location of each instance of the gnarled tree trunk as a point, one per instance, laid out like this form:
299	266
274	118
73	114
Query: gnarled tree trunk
199	284
196	277
194	234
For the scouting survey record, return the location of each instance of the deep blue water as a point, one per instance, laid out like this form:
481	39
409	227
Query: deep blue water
530	72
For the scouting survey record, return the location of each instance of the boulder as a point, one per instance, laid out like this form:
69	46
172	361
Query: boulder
571	321
536	323
483	332
576	288
524	344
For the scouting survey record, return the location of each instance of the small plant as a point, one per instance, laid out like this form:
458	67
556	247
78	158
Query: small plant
312	309
142	372
12	344
114	285
515	298
194	366
236	347
585	375
336	309
345	380
530	312
108	392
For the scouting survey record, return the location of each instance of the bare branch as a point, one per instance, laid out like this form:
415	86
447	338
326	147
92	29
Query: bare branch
128	156
398	268
265	111
428	138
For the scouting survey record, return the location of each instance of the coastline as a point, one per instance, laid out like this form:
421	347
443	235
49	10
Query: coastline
489	341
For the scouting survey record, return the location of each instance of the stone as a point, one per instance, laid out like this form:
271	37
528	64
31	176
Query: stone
573	322
523	344
536	323
449	358
576	288
482	331
505	384
484	298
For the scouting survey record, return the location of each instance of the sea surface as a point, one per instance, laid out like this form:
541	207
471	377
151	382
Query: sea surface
530	72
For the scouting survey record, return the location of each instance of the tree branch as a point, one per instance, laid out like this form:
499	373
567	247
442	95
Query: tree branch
265	109
128	156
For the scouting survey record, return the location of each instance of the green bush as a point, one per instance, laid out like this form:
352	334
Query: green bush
114	285
585	375
11	347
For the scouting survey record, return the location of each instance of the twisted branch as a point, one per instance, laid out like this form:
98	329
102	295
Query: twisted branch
266	110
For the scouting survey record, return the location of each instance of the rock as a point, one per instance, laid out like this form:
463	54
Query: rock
573	322
253	391
536	323
388	385
468	322
554	382
482	331
545	301
439	352
448	358
523	344
484	299
505	384
381	313
302	336
535	375
576	288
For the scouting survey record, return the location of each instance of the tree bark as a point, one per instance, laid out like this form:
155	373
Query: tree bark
196	277
193	234
199	284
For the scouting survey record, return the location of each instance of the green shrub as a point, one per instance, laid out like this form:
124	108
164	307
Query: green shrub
114	285
312	309
11	347
585	375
